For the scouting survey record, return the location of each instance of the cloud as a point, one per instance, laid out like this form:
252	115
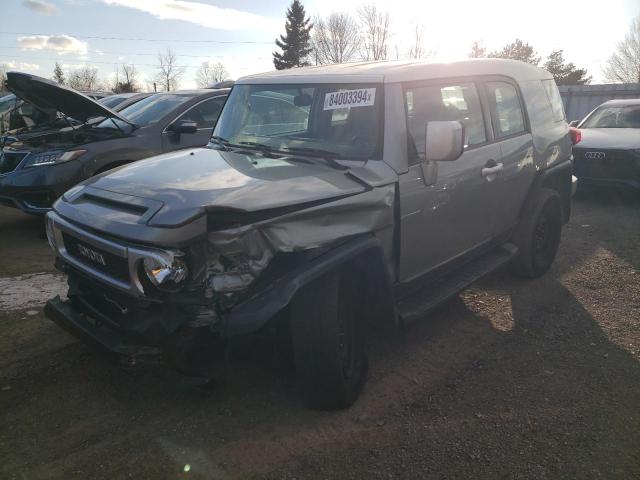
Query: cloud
202	14
60	44
20	66
40	6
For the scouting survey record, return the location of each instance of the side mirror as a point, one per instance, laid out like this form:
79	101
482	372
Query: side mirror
444	141
574	123
184	126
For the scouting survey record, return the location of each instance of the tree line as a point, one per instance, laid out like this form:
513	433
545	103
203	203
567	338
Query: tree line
127	79
341	37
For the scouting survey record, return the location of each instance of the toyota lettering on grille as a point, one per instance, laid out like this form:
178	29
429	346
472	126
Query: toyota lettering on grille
92	255
594	155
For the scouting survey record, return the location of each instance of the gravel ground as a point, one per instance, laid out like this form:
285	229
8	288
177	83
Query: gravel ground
512	379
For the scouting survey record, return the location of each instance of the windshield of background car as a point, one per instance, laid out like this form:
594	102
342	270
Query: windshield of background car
113	100
149	110
614	117
7	103
343	120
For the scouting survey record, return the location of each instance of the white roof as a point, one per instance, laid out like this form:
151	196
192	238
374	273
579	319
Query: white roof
399	71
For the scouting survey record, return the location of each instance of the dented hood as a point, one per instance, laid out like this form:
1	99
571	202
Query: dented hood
181	186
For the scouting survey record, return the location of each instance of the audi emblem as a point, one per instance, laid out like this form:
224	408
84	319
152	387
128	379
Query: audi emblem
594	155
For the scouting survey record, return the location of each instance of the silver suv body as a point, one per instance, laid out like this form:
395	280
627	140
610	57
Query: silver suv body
330	198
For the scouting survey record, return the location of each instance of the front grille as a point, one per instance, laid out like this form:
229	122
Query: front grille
616	164
9	161
96	258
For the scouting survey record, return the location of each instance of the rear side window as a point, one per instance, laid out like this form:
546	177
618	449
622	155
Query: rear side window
555	99
433	103
205	114
506	107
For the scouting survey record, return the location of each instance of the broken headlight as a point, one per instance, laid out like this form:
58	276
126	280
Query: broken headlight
166	274
51	157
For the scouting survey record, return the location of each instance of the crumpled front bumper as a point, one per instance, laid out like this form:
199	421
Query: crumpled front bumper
104	339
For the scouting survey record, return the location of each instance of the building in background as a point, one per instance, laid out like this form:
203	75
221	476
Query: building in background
579	100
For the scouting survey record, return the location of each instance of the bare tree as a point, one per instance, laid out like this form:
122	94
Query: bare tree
624	65
169	72
477	50
335	39
3	77
417	49
211	73
84	78
126	80
375	31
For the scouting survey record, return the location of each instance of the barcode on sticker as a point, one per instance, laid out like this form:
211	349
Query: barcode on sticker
362	97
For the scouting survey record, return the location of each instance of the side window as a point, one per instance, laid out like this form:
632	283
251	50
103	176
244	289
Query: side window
204	114
431	103
273	113
555	99
505	103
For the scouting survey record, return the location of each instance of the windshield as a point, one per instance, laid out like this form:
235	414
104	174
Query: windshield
7	103
342	121
614	117
113	100
147	111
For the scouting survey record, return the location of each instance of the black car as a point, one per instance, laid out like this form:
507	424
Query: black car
36	171
609	151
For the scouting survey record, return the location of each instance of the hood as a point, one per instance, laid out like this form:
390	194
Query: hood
610	138
181	186
46	94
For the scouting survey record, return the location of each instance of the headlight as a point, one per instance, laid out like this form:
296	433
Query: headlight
164	274
52	157
51	235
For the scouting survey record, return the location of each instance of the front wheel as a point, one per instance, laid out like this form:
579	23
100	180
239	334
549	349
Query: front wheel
328	341
538	236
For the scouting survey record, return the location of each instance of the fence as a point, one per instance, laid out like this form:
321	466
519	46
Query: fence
581	99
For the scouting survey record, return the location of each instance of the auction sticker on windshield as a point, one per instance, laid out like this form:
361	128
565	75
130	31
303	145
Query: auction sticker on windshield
361	97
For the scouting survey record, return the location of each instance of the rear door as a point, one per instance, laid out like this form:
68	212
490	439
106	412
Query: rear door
450	218
509	182
205	114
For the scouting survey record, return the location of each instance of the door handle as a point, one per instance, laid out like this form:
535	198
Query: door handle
490	172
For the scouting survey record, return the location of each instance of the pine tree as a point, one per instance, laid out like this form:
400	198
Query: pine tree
295	44
58	74
517	50
565	73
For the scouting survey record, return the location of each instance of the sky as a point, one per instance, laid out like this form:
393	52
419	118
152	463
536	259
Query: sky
104	33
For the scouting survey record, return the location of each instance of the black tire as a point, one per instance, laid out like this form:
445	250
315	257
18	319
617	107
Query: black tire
538	236
329	341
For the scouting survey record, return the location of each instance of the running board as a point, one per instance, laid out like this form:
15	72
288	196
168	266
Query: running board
441	289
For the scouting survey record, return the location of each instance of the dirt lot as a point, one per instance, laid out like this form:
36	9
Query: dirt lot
512	379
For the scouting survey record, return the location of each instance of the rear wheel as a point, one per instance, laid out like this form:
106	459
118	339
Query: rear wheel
538	236
328	341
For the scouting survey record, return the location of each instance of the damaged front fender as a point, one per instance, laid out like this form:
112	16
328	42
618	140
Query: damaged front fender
240	254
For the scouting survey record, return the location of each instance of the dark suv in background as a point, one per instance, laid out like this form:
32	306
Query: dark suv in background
36	171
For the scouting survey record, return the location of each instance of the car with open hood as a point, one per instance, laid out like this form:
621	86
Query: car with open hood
609	150
35	171
329	199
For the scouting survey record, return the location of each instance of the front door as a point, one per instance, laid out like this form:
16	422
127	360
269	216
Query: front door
451	217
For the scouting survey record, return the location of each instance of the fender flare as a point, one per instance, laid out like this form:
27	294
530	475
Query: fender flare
557	177
364	252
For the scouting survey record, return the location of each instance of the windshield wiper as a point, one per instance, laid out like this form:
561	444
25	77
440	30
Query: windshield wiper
326	155
262	148
223	142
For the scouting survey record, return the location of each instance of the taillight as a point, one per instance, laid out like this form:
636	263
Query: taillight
575	134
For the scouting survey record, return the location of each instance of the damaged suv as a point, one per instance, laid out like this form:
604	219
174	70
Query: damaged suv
332	197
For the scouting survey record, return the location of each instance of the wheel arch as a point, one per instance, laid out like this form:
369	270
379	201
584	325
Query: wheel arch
362	256
558	178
